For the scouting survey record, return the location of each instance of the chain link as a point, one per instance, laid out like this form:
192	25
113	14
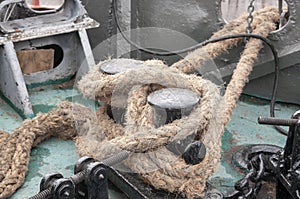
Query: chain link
249	186
250	16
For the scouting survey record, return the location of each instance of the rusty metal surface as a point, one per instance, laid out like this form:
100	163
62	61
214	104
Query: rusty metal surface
49	30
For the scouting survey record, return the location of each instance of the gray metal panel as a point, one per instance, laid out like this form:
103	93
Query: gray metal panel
69	43
38	32
195	18
70	12
288	88
101	11
198	19
12	84
186	16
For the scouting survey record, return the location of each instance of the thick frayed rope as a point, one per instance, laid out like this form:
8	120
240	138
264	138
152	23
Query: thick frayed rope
165	170
139	135
15	148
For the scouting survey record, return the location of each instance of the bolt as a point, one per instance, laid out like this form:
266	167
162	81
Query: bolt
214	196
43	194
66	194
101	176
194	153
277	121
79	177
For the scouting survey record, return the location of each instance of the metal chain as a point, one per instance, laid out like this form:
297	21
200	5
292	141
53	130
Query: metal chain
249	186
250	16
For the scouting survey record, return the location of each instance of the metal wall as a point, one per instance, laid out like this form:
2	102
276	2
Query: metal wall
196	19
185	16
101	11
188	17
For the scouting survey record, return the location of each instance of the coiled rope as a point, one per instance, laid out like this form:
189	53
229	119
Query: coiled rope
99	136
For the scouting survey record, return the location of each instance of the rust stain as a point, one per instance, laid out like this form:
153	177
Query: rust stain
258	136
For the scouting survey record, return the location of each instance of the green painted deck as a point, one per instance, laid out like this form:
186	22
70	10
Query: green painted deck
56	155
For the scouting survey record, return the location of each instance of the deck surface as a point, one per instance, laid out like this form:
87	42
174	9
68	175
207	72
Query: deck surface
56	155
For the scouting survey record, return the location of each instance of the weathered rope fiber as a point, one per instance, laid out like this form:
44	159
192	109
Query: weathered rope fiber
98	136
195	59
15	148
189	180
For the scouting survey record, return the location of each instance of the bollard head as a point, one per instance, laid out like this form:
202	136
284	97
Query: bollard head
115	66
170	104
173	98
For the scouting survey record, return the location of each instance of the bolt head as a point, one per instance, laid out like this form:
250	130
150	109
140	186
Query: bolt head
194	153
101	176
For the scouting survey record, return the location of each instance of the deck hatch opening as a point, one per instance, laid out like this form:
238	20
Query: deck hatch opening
40	58
58	53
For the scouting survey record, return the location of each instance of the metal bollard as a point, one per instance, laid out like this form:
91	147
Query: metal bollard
112	67
170	104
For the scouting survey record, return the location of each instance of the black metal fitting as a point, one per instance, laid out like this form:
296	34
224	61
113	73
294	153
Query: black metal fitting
170	104
113	67
54	186
78	178
286	164
280	121
178	147
277	121
194	153
63	189
287	168
90	178
89	181
96	181
243	155
283	164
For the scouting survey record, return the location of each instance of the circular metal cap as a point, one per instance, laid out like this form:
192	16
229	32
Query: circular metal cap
173	98
194	153
115	66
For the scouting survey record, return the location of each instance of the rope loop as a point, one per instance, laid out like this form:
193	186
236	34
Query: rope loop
98	136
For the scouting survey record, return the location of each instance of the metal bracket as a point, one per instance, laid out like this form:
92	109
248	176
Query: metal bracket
286	164
89	182
12	81
288	167
90	179
96	181
66	29
54	186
